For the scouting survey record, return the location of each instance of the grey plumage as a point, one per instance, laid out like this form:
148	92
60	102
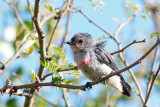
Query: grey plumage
95	62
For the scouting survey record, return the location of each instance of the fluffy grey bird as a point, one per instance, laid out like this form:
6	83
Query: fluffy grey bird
95	62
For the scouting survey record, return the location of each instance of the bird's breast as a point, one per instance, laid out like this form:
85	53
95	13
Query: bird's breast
90	66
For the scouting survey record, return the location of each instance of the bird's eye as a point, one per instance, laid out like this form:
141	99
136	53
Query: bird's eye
80	41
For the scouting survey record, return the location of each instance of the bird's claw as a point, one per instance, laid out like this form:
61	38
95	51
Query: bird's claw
101	78
88	86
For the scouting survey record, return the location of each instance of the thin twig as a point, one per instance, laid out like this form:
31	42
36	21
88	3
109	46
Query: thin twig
90	20
122	50
157	26
82	87
54	30
125	22
43	98
29	7
121	55
46	18
151	87
58	70
152	67
58	20
131	73
133	77
67	30
14	6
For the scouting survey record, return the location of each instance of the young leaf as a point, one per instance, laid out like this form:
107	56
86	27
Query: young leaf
101	37
49	65
28	53
50	8
19	36
59	51
156	82
57	79
154	34
131	5
33	75
146	10
76	72
32	37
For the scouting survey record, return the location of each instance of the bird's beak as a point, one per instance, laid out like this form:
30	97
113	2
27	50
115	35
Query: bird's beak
69	43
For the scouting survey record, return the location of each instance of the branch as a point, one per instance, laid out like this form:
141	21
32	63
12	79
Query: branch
125	22
154	9
122	50
14	6
90	20
30	100
58	20
82	87
67	29
152	67
29	7
58	70
40	35
151	87
43	98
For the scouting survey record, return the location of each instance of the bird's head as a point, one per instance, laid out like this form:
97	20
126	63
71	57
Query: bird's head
81	41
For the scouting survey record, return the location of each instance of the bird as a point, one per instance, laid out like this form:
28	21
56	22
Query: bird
95	62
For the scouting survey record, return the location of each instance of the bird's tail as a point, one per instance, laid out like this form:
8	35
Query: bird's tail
126	88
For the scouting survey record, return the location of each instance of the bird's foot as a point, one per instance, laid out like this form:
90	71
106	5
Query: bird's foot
88	86
101	78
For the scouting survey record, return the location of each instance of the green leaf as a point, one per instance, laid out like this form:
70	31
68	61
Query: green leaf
30	51
19	71
50	8
101	3
59	51
32	37
156	82
12	103
33	75
35	45
67	82
146	10
40	103
144	17
57	79
27	53
131	5
29	25
19	36
76	72
154	34
49	65
101	37
135	91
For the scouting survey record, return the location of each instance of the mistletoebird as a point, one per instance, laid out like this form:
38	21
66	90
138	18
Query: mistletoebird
95	62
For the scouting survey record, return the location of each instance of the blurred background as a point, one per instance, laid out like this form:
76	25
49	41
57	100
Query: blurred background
109	14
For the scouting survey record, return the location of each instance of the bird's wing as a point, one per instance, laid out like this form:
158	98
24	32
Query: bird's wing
104	57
